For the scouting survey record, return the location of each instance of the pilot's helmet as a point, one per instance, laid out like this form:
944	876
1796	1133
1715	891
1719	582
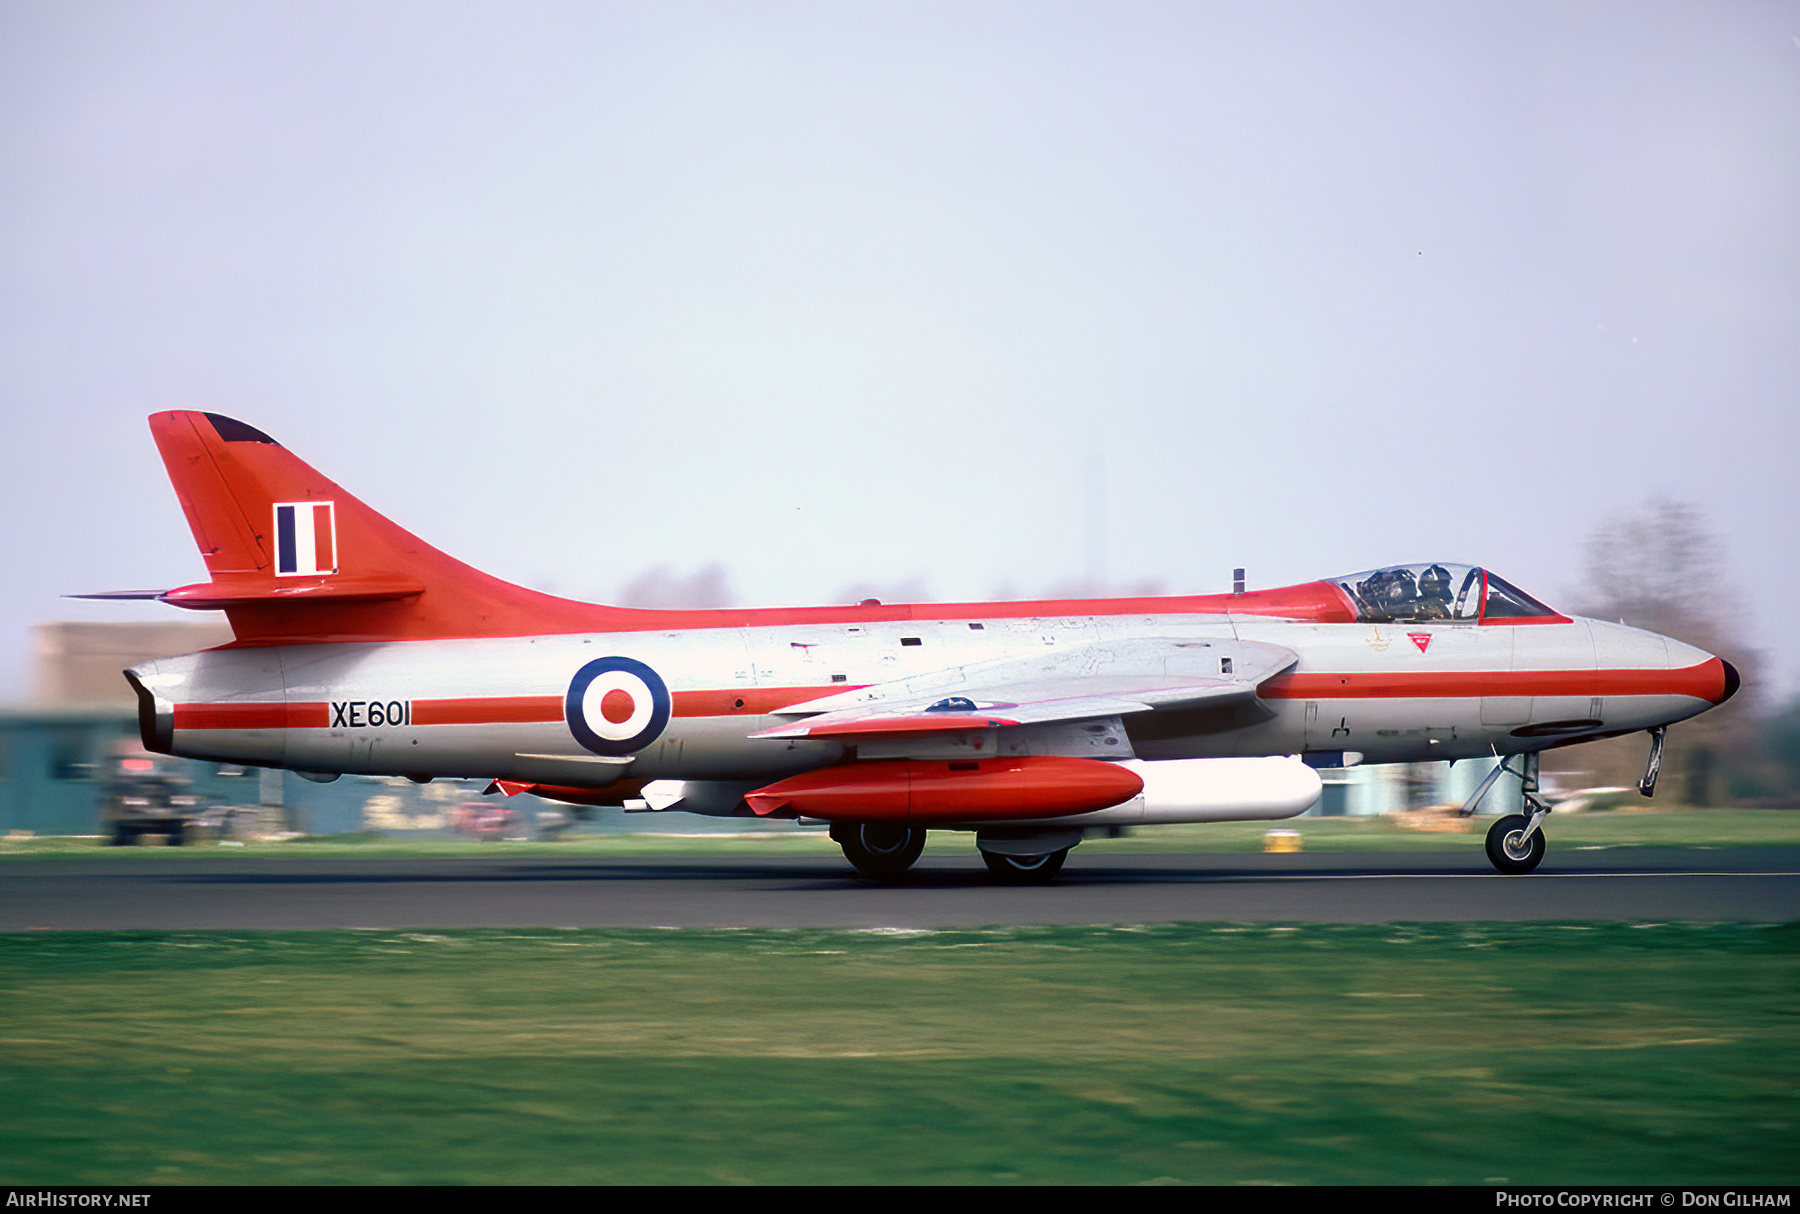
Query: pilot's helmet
1434	583
1398	588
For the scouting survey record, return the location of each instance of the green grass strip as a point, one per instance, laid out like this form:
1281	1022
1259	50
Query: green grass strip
1456	1054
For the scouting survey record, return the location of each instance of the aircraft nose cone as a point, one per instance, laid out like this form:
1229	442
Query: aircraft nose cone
1732	682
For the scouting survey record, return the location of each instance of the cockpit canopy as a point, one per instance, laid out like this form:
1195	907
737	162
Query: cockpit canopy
1438	593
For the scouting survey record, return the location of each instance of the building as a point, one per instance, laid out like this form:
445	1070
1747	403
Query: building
1368	790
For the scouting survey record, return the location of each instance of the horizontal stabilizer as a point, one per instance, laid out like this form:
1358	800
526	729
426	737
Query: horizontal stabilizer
214	596
219	596
120	595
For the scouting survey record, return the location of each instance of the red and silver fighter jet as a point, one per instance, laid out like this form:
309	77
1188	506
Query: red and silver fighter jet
360	648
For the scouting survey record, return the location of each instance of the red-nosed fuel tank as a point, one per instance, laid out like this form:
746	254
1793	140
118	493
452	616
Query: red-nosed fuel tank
976	790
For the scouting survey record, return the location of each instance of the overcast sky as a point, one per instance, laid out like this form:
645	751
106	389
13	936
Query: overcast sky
983	297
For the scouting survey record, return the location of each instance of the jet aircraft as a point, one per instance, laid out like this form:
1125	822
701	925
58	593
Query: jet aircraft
360	648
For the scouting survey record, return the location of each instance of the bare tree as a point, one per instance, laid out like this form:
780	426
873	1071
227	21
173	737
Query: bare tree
1663	569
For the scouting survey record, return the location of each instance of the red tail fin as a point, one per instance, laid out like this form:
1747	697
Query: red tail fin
294	558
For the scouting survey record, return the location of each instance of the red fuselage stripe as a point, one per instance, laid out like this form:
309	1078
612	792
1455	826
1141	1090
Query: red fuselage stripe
488	710
252	716
750	701
1703	681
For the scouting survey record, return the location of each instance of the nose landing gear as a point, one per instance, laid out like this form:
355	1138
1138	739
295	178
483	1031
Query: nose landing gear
1514	843
1647	784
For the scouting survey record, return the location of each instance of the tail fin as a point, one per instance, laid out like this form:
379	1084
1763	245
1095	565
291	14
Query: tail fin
294	558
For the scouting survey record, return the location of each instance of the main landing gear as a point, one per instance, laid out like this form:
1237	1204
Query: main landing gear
1024	870
885	850
882	850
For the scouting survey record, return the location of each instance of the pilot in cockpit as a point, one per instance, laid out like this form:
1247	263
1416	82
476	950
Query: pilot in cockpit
1389	594
1434	595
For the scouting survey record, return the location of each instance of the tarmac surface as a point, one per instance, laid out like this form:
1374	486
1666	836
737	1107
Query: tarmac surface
1751	884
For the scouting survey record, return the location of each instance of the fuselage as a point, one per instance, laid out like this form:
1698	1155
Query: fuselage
499	707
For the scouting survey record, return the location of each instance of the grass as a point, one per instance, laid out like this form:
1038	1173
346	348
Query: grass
1638	828
1456	1054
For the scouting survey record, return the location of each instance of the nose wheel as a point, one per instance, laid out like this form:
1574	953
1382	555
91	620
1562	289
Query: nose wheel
1514	844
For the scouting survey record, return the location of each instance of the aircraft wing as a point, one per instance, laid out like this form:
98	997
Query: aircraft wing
1084	683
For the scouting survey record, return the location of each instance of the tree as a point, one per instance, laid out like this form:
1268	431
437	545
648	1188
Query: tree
1661	570
1664	570
1781	742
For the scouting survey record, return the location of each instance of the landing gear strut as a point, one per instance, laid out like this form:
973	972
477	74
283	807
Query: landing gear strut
1514	843
1647	784
882	850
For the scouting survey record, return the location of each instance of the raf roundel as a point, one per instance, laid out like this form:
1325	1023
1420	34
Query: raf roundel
616	706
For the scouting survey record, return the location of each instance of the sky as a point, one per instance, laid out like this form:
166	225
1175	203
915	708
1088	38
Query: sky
965	299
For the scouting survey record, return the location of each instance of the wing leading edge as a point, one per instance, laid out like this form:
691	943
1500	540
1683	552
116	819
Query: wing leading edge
1082	684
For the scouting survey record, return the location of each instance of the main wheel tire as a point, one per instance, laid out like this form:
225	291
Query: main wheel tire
1509	849
1024	870
881	850
124	835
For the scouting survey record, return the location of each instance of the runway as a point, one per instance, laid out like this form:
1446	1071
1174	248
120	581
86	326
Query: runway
1759	884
